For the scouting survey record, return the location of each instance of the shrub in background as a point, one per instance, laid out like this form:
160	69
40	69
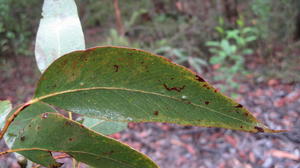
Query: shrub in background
229	51
18	25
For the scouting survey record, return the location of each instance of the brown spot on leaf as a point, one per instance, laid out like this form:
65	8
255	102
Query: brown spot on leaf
22	138
70	139
205	86
198	78
45	115
241	126
207	102
259	129
238	106
116	68
156	113
178	89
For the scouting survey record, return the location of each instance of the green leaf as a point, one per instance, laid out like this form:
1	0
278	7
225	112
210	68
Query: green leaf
59	32
104	127
20	123
122	84
5	108
53	132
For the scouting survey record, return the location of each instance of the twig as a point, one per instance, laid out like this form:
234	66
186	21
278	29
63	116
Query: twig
120	27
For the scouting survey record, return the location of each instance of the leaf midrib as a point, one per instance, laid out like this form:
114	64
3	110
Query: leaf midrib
37	99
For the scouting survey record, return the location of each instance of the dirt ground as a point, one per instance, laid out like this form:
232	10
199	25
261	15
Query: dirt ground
172	146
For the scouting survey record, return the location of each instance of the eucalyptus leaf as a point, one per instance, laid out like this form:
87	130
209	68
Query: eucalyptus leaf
53	132
59	32
5	108
122	84
17	127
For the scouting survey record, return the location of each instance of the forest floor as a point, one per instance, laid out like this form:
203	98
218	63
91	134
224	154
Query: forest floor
273	102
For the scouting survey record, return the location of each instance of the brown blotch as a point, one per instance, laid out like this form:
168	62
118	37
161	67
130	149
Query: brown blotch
206	86
238	106
177	89
259	129
172	78
207	102
198	78
142	62
241	126
45	115
156	113
22	138
116	68
71	139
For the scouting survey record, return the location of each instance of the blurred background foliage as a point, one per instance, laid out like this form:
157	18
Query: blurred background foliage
235	38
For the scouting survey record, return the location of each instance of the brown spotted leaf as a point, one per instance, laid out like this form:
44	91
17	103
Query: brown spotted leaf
41	157
51	132
122	84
